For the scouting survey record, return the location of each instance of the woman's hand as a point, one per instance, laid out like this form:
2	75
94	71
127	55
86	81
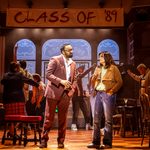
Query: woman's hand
110	92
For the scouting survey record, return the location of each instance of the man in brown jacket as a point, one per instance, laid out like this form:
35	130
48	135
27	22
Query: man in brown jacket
61	75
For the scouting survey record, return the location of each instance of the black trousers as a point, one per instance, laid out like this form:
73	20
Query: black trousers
78	103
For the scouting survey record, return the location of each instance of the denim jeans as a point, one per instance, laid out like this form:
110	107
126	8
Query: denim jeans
104	108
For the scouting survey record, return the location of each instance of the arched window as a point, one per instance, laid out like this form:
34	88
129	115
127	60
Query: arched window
27	51
111	46
81	54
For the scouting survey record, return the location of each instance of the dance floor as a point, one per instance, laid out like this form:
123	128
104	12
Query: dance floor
78	140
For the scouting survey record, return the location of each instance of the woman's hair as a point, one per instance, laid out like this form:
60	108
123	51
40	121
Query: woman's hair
37	77
13	66
108	59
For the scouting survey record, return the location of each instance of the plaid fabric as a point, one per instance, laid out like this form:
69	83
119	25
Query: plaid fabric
15	109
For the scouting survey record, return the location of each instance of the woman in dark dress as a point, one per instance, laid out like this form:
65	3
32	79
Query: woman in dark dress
13	95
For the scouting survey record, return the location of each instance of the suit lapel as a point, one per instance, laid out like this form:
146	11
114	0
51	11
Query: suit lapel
62	65
72	71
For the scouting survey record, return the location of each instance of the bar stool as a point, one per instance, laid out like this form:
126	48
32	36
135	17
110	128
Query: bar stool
23	121
2	115
35	120
8	119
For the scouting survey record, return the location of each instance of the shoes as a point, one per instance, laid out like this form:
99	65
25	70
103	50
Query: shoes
74	127
43	144
88	127
105	146
93	146
60	145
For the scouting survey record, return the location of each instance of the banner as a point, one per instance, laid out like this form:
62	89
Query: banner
103	17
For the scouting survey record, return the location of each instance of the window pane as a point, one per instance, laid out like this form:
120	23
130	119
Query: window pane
31	66
111	46
82	49
27	51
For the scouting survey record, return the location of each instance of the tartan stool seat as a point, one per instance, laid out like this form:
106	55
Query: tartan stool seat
35	120
7	120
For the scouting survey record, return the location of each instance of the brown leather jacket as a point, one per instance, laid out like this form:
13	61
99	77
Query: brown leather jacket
112	79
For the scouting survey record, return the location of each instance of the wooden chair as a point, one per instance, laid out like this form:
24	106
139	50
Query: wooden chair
117	123
124	116
131	116
145	105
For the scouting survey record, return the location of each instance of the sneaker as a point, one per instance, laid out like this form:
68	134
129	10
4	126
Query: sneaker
105	146
92	145
74	127
43	144
60	145
88	127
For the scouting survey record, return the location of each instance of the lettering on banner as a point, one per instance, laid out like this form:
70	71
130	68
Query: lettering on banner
95	17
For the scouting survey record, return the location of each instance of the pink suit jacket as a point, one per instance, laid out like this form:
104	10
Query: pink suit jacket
55	73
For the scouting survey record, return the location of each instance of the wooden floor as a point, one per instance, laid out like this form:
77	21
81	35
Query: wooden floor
78	140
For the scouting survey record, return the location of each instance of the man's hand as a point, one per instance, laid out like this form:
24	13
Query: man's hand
67	84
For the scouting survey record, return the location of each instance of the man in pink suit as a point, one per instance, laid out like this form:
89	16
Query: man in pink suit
61	75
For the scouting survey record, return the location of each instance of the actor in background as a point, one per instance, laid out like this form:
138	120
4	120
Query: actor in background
38	97
78	101
24	71
143	78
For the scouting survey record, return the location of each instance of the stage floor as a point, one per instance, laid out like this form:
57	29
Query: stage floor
78	140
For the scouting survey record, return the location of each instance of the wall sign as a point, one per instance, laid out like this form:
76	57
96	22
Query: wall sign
103	17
